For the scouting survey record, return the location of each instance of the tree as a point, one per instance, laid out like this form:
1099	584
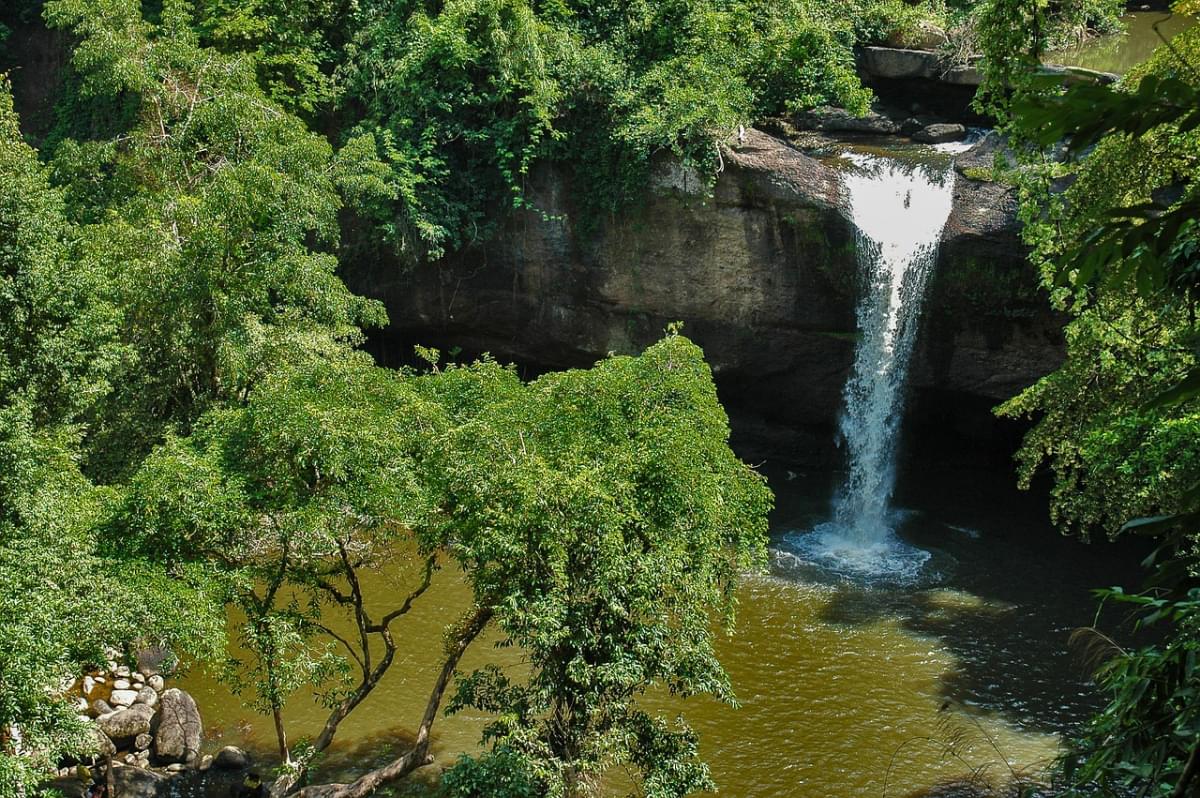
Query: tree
598	515
605	519
1118	422
56	345
214	217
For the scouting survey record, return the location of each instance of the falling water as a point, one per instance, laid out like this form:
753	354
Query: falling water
899	211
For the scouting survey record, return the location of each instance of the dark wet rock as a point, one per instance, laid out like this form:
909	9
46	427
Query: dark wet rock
912	125
231	758
763	272
70	786
839	120
100	707
179	731
940	133
985	153
135	782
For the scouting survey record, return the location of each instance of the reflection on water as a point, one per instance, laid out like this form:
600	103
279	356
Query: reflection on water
1144	32
843	687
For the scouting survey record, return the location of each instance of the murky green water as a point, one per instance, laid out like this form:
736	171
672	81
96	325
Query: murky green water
844	688
1144	32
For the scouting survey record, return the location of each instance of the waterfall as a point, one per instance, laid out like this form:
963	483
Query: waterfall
899	211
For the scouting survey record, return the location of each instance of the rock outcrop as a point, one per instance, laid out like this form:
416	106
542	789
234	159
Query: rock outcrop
178	730
763	273
126	724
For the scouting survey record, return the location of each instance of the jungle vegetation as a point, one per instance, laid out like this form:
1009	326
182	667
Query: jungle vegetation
188	422
1110	183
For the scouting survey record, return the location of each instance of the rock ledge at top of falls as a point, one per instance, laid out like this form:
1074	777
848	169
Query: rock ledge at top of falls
899	63
785	173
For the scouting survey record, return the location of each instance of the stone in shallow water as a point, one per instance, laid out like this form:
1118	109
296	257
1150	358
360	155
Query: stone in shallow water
122	698
179	727
231	758
147	696
126	723
940	133
839	120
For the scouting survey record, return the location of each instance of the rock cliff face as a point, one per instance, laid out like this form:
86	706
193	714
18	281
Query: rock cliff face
763	274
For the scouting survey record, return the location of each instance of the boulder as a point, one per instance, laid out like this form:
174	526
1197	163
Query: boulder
895	63
126	724
839	120
88	685
122	698
925	36
66	784
1073	75
147	696
940	133
155	682
100	707
102	745
122	684
231	758
903	63
179	732
155	660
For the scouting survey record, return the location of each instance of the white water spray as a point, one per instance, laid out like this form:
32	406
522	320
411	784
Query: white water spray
899	211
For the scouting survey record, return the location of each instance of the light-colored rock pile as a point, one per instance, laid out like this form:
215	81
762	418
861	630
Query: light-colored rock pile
136	719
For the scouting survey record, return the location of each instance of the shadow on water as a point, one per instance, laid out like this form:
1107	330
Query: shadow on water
1002	592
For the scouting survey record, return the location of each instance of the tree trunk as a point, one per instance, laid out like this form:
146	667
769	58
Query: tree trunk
281	735
418	756
1189	772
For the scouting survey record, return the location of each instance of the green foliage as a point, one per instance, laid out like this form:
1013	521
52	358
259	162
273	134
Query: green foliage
294	45
606	519
186	422
62	602
213	218
1012	36
1118	423
1146	733
470	94
502	773
1116	453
